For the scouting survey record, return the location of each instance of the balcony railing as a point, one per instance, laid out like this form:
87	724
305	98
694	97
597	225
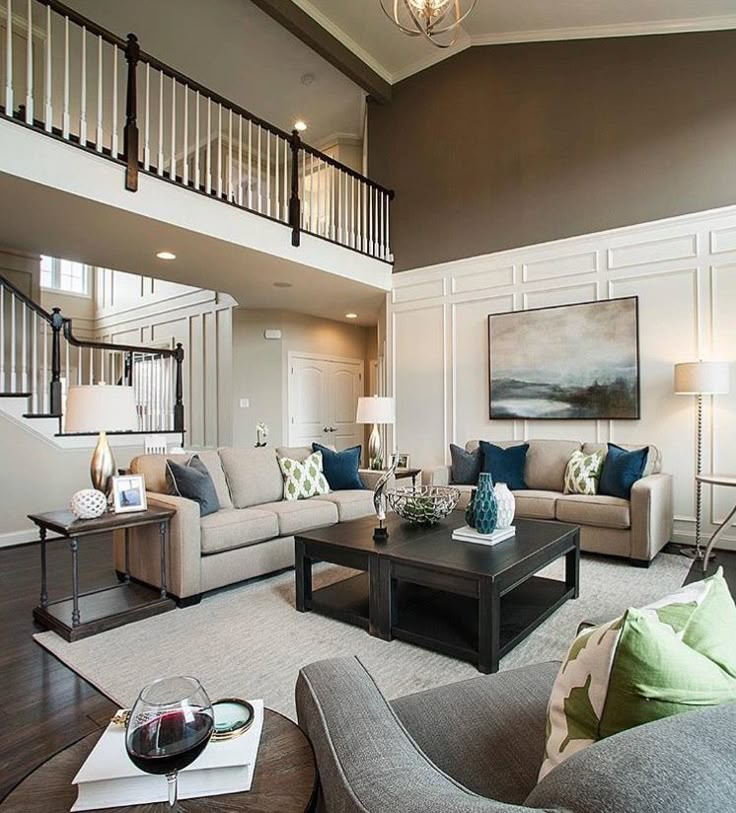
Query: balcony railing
63	74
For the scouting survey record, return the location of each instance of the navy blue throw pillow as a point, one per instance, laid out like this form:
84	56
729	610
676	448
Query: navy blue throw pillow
621	469
505	465
194	482
341	468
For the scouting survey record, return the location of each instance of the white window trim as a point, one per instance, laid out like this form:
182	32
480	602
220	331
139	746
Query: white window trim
56	277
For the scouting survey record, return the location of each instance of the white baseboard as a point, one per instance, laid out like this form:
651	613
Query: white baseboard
688	538
25	537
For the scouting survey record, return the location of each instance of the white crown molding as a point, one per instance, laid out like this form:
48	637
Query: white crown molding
345	39
680	26
336	139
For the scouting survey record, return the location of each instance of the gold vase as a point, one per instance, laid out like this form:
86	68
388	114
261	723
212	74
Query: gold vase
102	466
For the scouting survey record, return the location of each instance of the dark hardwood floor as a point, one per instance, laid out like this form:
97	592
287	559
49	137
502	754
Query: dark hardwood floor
44	706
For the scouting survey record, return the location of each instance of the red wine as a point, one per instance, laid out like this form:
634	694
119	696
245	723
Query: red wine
170	742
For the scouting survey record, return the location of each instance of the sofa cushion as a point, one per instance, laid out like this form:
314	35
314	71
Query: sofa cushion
341	468
236	528
153	469
654	458
302	515
465	465
599	511
536	503
668	658
621	470
194	482
505	465
253	475
352	504
546	462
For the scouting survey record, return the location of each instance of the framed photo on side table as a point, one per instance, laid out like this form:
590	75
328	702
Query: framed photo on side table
129	493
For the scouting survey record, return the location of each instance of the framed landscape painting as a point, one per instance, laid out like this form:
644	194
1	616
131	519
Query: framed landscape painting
571	362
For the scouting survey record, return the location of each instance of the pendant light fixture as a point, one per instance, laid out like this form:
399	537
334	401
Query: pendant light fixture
436	20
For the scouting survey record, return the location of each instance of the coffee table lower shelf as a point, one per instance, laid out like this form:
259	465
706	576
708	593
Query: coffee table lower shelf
442	621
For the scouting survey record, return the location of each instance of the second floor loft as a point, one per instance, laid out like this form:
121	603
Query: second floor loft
91	115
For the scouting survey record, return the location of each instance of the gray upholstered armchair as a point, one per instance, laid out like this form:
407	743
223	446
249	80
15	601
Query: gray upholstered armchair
477	746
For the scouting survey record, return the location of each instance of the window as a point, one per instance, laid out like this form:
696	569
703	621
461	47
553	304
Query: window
64	275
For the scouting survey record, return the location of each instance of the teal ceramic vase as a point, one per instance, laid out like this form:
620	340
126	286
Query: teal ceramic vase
470	510
485	507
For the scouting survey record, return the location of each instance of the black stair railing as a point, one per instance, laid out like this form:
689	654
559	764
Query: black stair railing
126	105
40	357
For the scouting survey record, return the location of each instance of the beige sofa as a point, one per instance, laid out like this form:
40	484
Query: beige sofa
251	535
636	529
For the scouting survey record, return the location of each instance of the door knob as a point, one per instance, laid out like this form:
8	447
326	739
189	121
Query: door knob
333	429
325	429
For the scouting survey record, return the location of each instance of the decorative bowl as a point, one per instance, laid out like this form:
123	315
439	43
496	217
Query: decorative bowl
423	505
88	504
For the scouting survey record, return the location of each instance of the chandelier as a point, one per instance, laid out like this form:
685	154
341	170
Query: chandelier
436	20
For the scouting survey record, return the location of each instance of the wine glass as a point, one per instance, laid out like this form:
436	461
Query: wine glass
169	727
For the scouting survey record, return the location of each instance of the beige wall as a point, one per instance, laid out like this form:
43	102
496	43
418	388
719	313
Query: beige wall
512	145
260	366
23	270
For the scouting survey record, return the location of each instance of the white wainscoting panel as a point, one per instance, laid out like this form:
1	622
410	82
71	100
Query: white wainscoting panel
684	272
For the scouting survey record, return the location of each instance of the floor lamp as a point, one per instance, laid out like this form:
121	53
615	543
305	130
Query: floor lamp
700	378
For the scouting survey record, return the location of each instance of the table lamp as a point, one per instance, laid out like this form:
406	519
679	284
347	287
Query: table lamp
91	406
375	410
700	378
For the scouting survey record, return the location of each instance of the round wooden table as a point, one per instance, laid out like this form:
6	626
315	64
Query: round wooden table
717	480
285	780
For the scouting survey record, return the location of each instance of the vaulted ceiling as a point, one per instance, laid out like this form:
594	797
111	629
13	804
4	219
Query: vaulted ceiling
363	27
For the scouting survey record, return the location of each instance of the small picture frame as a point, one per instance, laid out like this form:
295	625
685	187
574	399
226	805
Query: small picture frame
404	460
129	493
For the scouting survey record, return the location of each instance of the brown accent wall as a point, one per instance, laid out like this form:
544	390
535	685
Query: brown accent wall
506	146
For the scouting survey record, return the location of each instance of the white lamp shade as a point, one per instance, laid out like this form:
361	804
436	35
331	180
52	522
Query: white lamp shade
100	407
376	410
702	378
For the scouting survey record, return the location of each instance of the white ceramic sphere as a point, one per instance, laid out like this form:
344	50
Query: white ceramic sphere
88	504
506	506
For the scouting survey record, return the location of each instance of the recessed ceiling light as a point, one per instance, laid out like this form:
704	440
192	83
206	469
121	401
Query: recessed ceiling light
166	255
300	126
351	315
282	285
308	79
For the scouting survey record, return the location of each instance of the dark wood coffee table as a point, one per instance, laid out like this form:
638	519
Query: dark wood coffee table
285	780
472	602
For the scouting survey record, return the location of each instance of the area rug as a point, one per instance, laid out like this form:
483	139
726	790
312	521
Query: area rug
250	642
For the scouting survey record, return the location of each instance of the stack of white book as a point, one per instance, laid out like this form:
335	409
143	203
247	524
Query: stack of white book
109	779
468	534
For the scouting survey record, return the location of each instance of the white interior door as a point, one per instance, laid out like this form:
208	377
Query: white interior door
323	398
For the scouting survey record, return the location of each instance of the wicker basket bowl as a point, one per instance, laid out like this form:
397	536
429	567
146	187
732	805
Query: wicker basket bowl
423	505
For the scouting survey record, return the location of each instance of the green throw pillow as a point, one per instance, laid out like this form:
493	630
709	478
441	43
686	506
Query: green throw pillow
583	473
303	479
673	656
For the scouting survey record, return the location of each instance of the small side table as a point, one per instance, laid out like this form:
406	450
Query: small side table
717	480
84	614
285	780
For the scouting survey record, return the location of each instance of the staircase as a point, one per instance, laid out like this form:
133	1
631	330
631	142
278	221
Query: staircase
40	358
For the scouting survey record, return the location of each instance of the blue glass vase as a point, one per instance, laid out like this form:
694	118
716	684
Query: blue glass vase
485	507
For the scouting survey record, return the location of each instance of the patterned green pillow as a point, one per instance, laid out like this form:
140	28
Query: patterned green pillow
303	479
673	656
583	473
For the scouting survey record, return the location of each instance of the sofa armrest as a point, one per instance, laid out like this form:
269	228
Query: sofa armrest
369	477
652	516
184	550
367	761
439	476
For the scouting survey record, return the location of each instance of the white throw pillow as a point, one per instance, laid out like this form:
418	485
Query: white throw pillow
303	479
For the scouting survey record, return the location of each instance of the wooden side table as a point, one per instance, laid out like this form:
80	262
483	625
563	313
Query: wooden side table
285	779
717	480
84	614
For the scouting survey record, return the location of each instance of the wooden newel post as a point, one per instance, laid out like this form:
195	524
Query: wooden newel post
179	390
132	55
295	215
57	323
